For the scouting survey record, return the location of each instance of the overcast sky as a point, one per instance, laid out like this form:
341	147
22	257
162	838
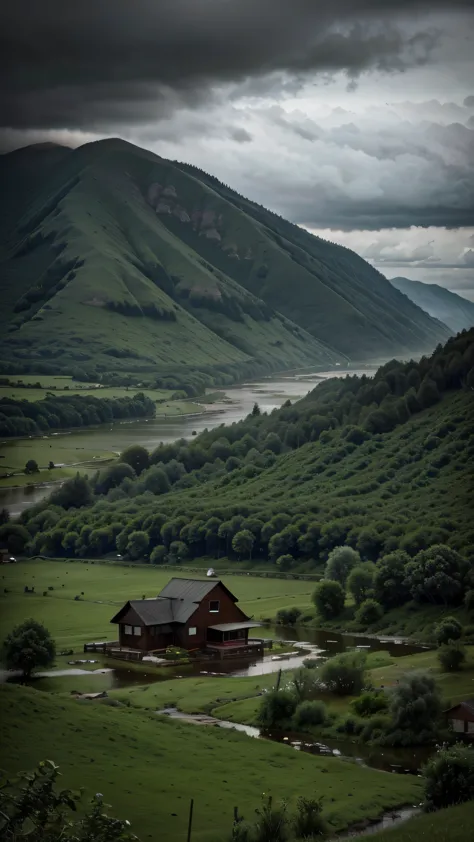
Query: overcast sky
353	118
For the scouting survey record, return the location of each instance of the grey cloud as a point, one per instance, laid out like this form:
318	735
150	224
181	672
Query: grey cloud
240	135
469	102
103	62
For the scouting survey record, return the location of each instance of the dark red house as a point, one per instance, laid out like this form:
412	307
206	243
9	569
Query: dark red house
461	718
189	613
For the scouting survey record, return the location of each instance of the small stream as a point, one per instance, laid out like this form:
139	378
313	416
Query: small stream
398	761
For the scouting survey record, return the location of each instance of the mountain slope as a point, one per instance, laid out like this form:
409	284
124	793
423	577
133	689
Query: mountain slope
455	311
380	463
115	260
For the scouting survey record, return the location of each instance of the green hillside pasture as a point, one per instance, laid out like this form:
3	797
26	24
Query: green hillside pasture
148	767
452	825
105	587
66	386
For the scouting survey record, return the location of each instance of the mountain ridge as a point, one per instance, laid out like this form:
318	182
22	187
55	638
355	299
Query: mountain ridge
441	303
117	262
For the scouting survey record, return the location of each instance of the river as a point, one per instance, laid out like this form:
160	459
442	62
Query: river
270	393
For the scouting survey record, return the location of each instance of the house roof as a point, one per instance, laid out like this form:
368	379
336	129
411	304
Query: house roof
192	589
156	612
223	627
176	603
466	703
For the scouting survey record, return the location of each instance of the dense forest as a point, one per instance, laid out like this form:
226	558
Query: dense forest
30	418
382	465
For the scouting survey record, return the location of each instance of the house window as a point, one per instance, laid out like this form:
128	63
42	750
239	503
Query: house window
192	631
214	606
135	631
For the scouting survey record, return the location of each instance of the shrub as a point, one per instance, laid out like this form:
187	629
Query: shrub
344	674
469	600
310	713
415	707
452	656
370	702
369	612
288	616
308	821
277	708
448	629
449	777
29	646
272	824
329	598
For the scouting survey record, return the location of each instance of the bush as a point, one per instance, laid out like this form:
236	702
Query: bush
277	708
369	612
415	707
329	598
370	702
308	821
310	713
452	656
272	824
469	600
29	646
288	616
449	777
447	630
344	674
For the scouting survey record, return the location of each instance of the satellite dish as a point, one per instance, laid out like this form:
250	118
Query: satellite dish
211	572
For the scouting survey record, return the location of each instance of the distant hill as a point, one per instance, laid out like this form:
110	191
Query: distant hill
455	311
116	263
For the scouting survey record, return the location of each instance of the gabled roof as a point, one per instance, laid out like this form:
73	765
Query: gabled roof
156	612
192	589
466	703
176	603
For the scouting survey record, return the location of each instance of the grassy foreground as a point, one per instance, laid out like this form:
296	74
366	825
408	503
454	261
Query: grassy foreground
452	825
73	623
149	767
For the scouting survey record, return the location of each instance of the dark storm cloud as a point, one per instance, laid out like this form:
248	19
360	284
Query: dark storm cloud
100	62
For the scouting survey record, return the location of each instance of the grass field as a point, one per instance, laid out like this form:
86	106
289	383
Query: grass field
454	687
148	767
73	623
452	825
62	385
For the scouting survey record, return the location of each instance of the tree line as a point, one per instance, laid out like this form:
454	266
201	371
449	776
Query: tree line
22	417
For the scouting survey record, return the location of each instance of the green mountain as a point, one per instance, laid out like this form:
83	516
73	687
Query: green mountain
115	261
455	311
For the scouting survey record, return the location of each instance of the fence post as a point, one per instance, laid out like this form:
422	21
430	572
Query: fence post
190	822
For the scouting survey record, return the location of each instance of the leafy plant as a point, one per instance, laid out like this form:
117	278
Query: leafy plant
309	821
34	809
272	824
449	777
452	656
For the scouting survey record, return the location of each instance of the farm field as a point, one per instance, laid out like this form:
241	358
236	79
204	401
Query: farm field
148	767
105	586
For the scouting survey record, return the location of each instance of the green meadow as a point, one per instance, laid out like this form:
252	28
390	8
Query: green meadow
148	767
103	587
